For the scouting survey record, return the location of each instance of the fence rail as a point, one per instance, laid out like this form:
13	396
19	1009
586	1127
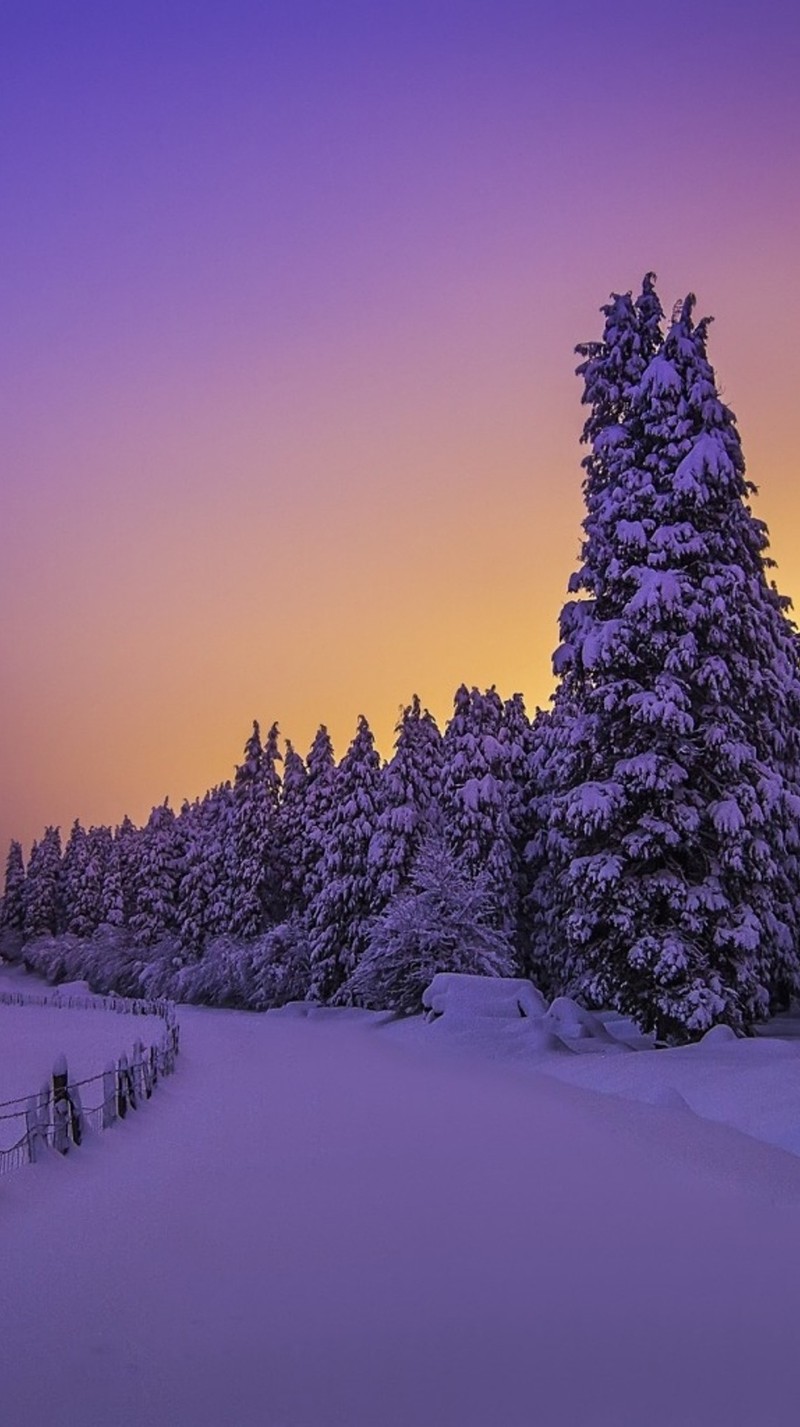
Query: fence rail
56	1117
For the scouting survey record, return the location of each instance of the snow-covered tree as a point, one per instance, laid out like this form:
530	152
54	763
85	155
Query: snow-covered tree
341	912
444	921
12	915
290	833
157	877
92	886
611	370
476	798
43	887
196	886
518	739
73	867
104	879
253	830
317	811
411	797
127	843
219	818
673	822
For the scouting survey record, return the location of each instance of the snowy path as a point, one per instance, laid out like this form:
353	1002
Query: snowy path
311	1226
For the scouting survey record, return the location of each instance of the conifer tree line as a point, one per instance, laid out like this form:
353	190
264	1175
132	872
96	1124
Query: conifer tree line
636	845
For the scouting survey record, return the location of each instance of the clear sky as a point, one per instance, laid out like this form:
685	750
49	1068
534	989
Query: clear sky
288	293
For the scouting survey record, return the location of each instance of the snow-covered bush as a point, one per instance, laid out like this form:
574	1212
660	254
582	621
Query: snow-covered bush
446	921
222	978
280	966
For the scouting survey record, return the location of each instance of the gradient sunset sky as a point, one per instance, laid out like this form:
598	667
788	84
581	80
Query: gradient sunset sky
289	294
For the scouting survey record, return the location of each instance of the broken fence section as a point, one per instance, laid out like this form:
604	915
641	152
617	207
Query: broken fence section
57	1117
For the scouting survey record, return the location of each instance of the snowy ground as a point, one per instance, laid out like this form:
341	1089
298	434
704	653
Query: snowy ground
336	1221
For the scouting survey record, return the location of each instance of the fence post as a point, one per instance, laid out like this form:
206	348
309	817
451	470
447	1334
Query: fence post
76	1123
43	1111
137	1070
122	1086
109	1095
60	1106
32	1129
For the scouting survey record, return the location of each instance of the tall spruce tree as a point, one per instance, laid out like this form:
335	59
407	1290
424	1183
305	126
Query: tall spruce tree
673	825
611	370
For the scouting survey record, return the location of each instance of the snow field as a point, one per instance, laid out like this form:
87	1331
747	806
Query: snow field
333	1220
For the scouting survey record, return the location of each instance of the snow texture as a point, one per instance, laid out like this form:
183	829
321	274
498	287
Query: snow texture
333	1220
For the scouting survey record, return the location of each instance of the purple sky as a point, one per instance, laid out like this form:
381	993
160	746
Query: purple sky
289	294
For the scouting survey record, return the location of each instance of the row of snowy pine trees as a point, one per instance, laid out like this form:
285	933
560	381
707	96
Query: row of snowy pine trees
293	865
637	845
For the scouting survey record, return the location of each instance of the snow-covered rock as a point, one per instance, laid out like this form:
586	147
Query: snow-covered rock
454	993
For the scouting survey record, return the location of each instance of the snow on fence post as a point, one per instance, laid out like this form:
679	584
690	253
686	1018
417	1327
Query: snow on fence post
109	1106
60	1106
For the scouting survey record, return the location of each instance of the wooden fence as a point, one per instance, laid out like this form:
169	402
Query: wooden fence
57	1118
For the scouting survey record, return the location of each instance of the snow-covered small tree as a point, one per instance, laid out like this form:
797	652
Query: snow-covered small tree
12	915
344	905
446	920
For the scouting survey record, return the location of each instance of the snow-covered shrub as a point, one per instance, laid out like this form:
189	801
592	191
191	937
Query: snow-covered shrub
280	965
222	978
444	922
51	957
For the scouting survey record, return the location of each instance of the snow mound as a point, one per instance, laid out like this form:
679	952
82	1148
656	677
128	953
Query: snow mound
717	1036
457	994
571	1022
